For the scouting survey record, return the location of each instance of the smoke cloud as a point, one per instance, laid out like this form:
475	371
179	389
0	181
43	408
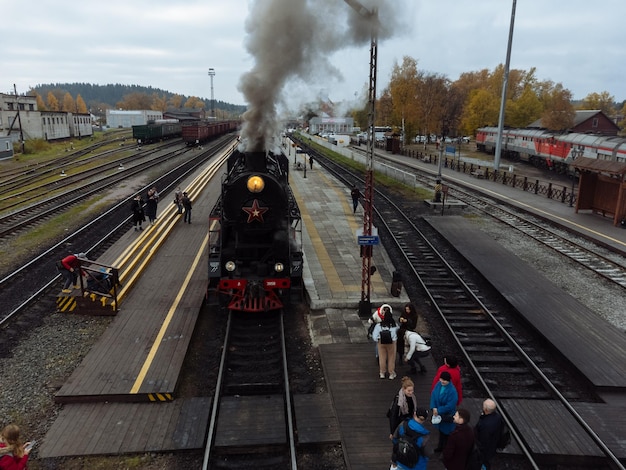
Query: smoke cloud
291	40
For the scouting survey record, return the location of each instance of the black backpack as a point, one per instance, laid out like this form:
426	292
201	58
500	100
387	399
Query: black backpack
408	453
385	337
474	459
505	437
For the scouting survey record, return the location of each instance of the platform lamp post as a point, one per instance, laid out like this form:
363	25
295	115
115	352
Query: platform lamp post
365	305
212	74
575	154
438	185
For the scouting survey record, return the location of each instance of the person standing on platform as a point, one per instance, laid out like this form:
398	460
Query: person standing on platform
355	194
460	443
402	406
311	161
413	427
417	348
443	403
178	200
69	267
487	432
407	322
136	207
187	206
450	365
151	205
13	452
375	319
386	334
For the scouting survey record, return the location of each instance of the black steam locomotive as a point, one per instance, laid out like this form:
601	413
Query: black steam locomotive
255	242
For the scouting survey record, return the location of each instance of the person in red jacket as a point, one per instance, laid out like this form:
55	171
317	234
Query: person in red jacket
451	365
13	452
70	268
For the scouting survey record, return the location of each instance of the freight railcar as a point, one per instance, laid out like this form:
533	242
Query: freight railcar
197	132
255	244
157	131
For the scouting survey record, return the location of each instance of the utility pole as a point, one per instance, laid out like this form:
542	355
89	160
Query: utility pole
365	305
212	74
505	84
19	119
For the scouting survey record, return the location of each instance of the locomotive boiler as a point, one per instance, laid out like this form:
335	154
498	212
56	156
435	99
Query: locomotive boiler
255	242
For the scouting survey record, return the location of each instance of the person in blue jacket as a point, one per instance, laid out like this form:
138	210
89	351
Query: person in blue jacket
443	403
416	424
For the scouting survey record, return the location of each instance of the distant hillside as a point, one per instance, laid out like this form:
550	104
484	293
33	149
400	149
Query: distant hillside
97	95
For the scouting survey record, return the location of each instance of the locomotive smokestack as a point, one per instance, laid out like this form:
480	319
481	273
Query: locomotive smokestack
293	39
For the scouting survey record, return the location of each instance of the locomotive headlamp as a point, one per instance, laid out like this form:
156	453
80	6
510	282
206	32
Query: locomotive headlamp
255	184
279	267
230	266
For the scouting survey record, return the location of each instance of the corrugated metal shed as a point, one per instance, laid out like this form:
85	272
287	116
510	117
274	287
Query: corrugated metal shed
601	166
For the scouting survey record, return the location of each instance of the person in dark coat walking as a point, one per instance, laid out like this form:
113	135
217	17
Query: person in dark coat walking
136	207
187	206
460	442
355	194
311	162
487	432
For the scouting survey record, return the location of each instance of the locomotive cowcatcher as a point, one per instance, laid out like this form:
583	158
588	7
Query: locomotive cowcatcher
255	235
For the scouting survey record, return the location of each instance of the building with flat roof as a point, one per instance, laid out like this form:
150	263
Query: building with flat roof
129	118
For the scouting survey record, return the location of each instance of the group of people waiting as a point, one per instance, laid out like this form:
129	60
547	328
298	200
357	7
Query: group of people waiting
393	339
407	419
148	208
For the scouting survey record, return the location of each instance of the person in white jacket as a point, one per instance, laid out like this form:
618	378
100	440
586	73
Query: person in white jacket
417	348
374	320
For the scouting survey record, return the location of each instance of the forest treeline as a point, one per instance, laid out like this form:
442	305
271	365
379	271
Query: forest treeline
96	99
424	103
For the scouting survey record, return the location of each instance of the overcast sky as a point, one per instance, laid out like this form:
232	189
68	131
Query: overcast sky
172	44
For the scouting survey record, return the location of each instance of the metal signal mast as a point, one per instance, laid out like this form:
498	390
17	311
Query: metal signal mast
365	305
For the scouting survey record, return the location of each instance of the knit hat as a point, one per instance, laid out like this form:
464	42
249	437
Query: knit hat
445	375
422	413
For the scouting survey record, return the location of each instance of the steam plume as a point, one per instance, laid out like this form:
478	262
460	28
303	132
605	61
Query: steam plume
291	39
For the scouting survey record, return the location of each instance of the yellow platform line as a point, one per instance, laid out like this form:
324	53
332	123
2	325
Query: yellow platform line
170	314
334	281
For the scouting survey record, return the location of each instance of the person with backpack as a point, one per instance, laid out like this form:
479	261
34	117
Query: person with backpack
385	334
460	445
487	431
375	319
402	406
410	441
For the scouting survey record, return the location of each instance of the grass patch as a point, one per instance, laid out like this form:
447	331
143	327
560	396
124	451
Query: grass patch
379	178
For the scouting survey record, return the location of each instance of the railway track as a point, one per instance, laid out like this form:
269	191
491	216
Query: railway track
252	422
28	282
83	186
501	362
610	266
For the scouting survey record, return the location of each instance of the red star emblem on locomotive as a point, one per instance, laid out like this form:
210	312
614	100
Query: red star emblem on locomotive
255	212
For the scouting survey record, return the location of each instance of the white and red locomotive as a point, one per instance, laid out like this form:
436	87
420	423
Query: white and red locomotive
549	149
